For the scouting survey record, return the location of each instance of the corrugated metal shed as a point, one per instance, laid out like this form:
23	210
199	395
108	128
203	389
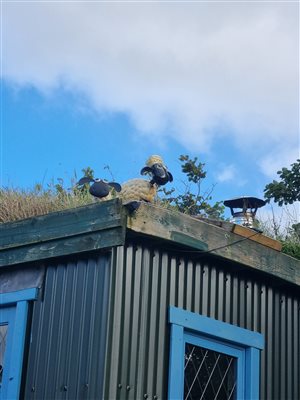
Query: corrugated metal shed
146	280
68	332
106	280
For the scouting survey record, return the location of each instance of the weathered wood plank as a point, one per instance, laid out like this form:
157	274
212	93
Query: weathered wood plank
91	218
187	240
62	247
243	231
260	238
162	223
104	225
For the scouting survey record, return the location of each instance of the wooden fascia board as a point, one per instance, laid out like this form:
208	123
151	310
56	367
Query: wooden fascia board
75	230
103	225
204	238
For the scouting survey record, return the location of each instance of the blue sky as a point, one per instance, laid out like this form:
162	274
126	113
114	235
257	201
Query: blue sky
110	83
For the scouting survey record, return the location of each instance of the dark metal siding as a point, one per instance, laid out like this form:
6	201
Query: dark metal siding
145	282
68	333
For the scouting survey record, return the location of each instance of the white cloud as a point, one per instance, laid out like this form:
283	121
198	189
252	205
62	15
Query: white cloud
176	69
278	220
279	157
227	174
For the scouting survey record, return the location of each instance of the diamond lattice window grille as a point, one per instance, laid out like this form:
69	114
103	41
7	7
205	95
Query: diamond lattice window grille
208	375
3	336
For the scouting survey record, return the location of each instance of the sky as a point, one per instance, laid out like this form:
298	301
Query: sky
108	83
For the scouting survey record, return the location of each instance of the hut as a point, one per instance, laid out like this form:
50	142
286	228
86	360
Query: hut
100	302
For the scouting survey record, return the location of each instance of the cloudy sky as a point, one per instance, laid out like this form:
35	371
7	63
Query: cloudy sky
99	83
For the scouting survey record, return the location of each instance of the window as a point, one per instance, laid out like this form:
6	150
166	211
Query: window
13	319
212	360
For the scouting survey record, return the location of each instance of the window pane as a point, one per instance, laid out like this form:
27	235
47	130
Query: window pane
3	336
208	375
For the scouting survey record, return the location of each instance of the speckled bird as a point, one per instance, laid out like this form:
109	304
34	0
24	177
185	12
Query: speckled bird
144	190
138	190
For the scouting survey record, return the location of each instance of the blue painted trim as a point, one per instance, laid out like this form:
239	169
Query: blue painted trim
187	327
7	317
215	328
14	311
176	376
20	295
17	350
208	343
252	372
241	376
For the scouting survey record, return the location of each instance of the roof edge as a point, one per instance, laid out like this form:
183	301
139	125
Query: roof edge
96	226
204	238
104	224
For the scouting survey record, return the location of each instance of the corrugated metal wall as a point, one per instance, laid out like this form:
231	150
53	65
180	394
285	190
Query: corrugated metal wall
145	282
68	333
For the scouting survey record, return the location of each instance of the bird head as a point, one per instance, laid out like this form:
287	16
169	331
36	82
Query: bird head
99	188
157	169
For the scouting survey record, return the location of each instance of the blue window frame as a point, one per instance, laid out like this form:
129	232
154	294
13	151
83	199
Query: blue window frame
13	316
239	347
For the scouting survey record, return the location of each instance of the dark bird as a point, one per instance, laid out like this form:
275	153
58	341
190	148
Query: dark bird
99	188
157	170
144	190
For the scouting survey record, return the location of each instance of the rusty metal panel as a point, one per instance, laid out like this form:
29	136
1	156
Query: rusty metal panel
68	331
146	281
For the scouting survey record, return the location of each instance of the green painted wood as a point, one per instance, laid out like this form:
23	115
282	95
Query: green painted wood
104	224
58	247
92	227
162	223
91	218
187	240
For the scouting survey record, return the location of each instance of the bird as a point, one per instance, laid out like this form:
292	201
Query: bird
159	172
138	190
133	190
100	188
144	190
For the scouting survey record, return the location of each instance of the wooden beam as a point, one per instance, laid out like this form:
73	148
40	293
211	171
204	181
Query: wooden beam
260	238
58	247
184	230
75	230
243	231
103	225
90	218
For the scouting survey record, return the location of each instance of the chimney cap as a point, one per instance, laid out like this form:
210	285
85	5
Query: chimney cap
245	202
